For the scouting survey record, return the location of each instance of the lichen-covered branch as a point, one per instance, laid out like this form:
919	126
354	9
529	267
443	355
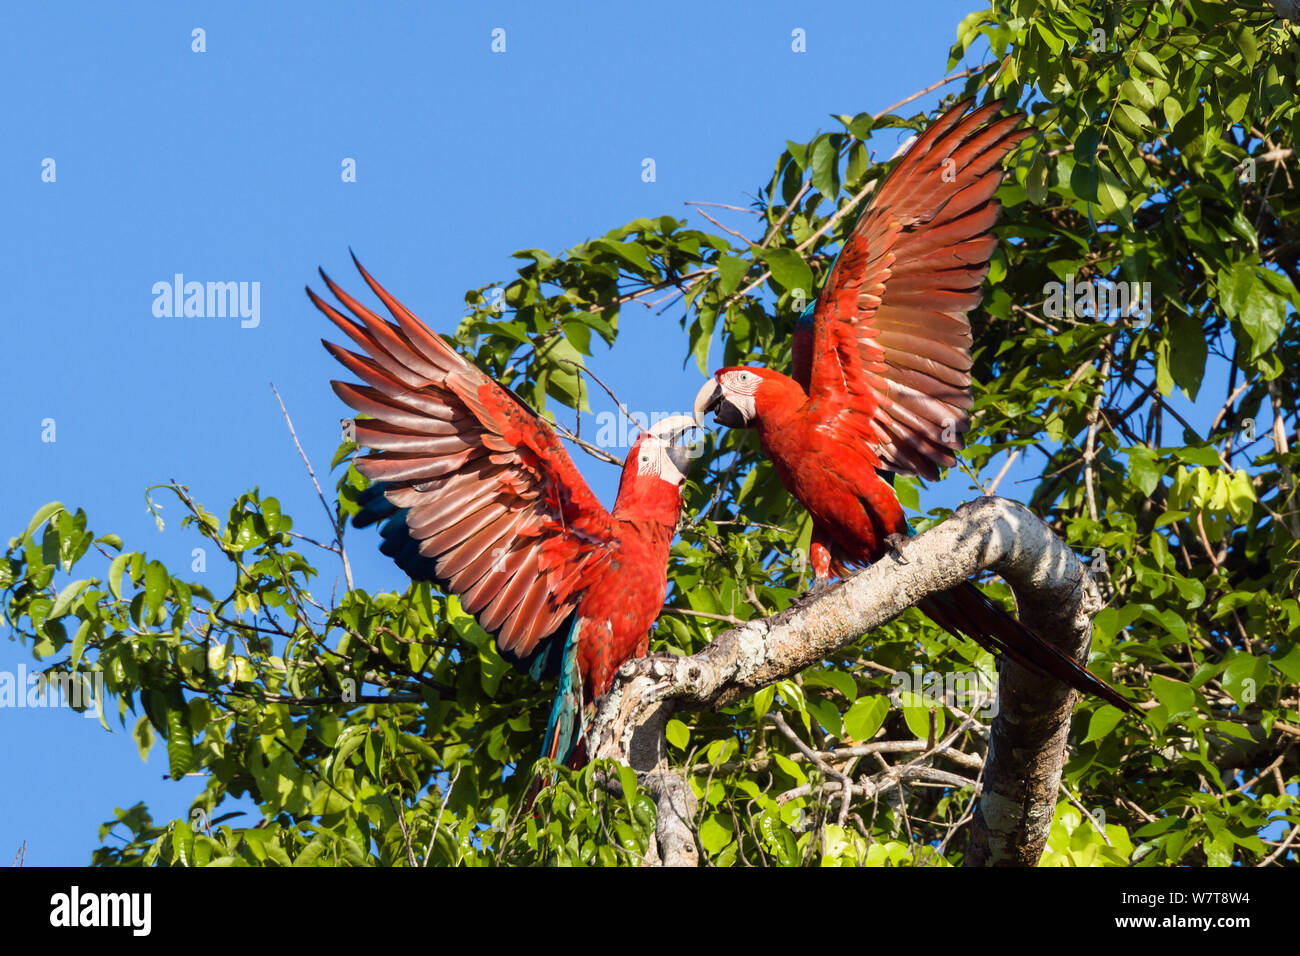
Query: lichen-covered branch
1055	595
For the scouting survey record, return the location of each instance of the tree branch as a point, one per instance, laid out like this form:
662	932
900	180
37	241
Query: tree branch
1055	595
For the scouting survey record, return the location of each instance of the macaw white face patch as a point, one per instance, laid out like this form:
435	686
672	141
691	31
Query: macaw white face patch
740	387
659	454
653	460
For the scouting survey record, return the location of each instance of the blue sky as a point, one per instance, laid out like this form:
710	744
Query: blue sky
225	166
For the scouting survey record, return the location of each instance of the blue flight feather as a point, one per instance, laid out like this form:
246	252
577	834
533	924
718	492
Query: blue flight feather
563	727
398	544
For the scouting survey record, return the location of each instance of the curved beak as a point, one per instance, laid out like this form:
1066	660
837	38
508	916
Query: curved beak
712	398
707	399
671	430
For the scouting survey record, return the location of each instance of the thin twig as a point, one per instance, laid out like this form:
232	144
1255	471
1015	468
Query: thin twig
333	517
1295	832
723	205
743	238
929	89
583	370
1090	446
1011	458
437	821
400	809
846	795
1087	814
587	446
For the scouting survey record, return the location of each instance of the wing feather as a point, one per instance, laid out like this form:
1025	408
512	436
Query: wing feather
488	491
890	330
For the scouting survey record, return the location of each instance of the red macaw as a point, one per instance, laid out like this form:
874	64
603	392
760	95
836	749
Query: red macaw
882	371
483	499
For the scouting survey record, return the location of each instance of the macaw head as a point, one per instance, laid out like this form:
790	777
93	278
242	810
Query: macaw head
736	396
659	454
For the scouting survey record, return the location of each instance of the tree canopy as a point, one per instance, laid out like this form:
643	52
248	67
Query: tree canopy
385	729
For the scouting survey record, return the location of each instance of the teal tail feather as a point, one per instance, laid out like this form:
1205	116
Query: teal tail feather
563	728
565	740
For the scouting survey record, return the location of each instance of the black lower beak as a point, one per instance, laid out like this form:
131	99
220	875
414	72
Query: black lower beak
728	414
713	399
680	456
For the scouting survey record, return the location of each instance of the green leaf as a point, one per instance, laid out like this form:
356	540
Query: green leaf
115	574
866	716
1207	456
789	270
677	733
79	642
180	745
1111	622
1142	469
917	718
43	514
1177	696
1139	94
1218	852
631	253
1111	196
905	489
827	714
1164	376
1187	353
1289	664
155	587
861	125
791	768
730	271
562	362
66	597
1102	722
703	338
825	170
1148	64
1191	590
1241	497
839	680
1254	302
1244	678
627	781
1036	179
182	843
713	834
143	735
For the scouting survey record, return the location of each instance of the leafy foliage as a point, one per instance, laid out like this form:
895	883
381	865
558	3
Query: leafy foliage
385	729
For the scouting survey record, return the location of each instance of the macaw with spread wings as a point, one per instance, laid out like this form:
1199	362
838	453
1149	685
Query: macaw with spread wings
881	369
478	495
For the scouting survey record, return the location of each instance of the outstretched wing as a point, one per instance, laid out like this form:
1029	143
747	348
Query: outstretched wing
489	493
891	339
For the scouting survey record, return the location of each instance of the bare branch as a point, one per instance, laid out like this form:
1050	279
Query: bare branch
1056	596
335	520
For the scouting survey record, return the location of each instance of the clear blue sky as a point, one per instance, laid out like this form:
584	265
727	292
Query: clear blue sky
225	166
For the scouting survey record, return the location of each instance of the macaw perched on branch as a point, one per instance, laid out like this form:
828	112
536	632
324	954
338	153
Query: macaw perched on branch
481	497
882	371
